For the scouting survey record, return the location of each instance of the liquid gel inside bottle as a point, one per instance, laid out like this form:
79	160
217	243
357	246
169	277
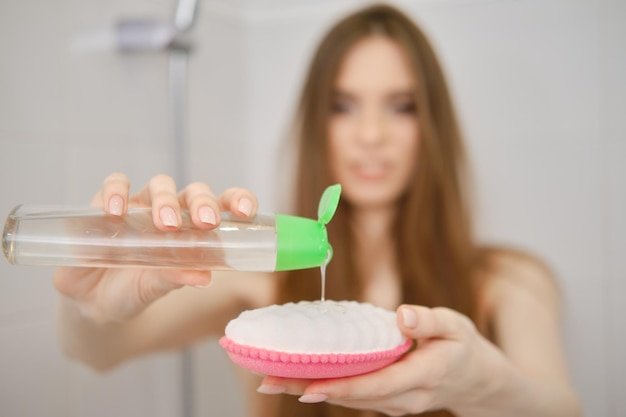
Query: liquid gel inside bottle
86	236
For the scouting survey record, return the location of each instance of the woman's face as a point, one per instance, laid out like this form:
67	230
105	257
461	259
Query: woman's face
373	128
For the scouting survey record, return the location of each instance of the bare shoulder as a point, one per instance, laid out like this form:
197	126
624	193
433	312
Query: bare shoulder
523	303
505	273
525	320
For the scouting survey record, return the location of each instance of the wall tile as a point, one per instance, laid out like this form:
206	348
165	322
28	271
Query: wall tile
32	73
34	374
615	285
65	122
219	396
87	167
217	110
28	162
522	71
613	49
144	387
117	96
31	172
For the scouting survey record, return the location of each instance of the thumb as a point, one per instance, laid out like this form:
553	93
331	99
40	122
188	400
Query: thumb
157	283
160	282
418	322
170	279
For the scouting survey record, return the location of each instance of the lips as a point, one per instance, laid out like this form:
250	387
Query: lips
370	170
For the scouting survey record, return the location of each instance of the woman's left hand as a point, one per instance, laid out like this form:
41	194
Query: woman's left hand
453	367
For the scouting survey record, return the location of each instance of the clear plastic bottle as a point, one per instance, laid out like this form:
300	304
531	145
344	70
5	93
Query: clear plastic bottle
86	236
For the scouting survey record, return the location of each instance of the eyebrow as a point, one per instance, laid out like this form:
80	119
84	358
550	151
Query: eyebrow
342	94
400	94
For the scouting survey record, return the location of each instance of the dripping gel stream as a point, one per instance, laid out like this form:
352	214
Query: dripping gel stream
323	274
325	212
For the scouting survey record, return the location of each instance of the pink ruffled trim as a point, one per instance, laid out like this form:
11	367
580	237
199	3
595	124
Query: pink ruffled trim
310	365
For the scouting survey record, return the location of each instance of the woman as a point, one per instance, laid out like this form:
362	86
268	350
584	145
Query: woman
375	116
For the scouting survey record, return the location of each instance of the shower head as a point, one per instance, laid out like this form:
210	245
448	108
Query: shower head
185	14
142	34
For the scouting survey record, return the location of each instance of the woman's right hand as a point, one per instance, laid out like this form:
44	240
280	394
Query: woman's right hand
107	295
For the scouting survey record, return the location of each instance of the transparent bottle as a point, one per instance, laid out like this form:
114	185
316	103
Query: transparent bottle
86	236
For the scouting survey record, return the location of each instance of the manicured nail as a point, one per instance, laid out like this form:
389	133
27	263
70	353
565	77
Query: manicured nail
203	282
203	286
271	389
116	205
313	398
207	215
409	318
245	206
168	216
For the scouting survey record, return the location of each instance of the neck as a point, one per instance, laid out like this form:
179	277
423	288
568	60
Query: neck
375	255
373	225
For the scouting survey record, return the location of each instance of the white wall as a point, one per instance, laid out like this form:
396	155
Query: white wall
66	121
539	86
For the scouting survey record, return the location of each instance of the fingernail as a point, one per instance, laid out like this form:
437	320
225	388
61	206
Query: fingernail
271	389
203	286
313	398
168	216
409	318
116	205
207	215
245	206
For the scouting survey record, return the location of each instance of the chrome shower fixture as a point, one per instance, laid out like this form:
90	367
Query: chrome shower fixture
142	34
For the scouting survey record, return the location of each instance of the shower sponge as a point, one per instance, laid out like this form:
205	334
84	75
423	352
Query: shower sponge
315	339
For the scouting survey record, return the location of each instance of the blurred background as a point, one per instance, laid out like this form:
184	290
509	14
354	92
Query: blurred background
539	85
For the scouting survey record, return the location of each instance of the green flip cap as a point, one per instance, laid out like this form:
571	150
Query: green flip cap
303	243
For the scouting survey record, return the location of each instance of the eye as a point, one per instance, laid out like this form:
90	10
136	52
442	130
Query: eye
404	107
342	106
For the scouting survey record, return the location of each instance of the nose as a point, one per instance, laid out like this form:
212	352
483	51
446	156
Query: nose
371	128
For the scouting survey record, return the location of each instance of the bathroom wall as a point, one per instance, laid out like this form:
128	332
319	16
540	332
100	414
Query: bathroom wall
539	88
68	118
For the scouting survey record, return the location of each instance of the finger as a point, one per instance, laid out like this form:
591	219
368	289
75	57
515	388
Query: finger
239	201
160	193
417	322
414	401
413	371
379	384
170	279
113	195
148	288
202	205
277	385
75	284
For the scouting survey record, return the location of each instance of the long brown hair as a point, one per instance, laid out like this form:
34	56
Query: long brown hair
434	246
